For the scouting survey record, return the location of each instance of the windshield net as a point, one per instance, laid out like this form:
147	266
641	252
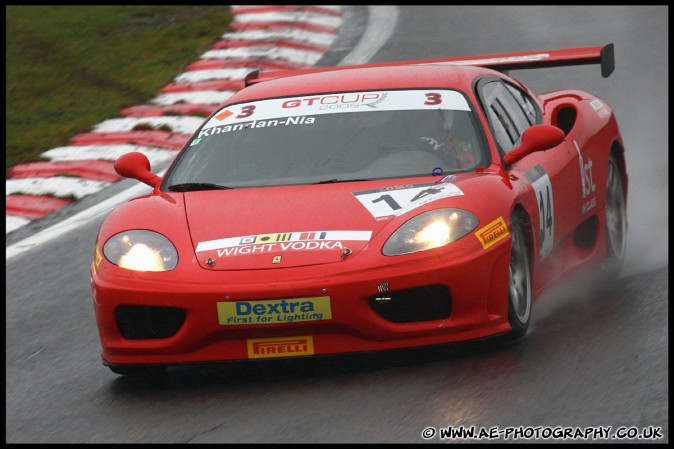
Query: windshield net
332	138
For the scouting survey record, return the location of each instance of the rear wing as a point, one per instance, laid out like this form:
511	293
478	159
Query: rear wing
602	55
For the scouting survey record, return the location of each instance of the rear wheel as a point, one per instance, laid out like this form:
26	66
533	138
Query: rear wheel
519	280
616	219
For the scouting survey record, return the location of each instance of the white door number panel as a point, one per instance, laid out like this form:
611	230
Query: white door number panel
546	215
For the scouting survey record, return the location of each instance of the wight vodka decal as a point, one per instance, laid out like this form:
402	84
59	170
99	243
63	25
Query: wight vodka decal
281	242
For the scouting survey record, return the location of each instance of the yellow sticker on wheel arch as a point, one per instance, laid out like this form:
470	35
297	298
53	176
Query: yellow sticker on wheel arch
260	348
274	311
97	260
492	233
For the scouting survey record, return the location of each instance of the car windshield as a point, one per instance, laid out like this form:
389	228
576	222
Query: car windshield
331	138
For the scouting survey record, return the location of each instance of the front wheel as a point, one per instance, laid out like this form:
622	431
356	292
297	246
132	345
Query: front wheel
616	220
520	296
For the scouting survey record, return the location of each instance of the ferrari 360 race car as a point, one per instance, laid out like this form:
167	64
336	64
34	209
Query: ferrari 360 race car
362	208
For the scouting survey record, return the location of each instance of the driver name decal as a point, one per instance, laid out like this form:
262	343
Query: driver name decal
255	124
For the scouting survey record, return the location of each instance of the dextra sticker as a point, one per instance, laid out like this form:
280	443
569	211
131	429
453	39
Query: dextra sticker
540	181
284	241
280	347
280	108
398	200
274	311
495	231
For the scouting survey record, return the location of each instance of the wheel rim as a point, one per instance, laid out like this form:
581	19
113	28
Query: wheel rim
520	280
616	223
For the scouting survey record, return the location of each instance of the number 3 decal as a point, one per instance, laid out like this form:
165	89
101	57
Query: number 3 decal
433	98
246	111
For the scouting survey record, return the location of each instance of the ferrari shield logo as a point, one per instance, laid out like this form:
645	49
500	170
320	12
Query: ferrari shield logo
276	259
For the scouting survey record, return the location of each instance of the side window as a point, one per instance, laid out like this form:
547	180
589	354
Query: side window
505	113
502	126
526	103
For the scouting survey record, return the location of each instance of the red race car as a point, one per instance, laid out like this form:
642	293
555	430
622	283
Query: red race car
362	208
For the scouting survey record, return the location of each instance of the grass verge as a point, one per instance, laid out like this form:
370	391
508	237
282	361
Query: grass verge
69	68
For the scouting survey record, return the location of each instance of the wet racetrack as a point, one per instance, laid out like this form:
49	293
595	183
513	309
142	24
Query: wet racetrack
596	354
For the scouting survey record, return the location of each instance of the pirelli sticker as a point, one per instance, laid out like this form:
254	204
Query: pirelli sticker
260	348
492	233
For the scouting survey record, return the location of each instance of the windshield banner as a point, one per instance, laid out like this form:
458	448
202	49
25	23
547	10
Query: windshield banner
394	100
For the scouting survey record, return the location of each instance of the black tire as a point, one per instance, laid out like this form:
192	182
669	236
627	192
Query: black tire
520	296
143	370
616	220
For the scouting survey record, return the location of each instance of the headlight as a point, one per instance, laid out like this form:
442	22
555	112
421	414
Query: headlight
140	250
430	230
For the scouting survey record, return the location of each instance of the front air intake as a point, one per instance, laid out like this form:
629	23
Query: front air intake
427	303
148	322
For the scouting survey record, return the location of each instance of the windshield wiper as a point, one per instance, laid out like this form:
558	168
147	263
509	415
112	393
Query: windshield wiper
192	186
335	180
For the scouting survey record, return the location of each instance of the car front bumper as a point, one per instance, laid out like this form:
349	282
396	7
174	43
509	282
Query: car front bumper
208	330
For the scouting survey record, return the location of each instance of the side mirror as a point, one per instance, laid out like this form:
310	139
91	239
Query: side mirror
136	165
535	138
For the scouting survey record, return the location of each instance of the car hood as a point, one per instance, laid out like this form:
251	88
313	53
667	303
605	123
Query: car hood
279	227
